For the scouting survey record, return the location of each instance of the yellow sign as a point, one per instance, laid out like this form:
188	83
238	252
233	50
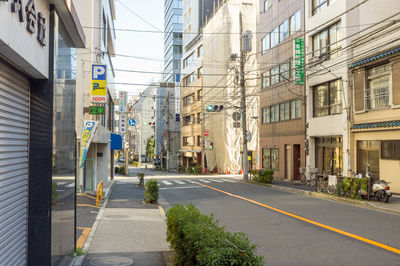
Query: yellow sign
98	90
248	158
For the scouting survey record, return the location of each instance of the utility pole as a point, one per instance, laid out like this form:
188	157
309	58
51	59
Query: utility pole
140	140
243	102
168	133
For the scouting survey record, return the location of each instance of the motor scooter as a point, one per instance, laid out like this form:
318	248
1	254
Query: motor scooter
377	188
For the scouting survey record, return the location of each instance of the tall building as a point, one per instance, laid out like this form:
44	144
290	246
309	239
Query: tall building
38	44
100	48
282	99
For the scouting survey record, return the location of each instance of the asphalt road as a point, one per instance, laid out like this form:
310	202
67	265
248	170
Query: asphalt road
288	240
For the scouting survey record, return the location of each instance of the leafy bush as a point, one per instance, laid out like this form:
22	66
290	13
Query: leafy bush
116	169
151	193
197	169
264	176
197	239
351	186
191	170
122	170
182	169
136	164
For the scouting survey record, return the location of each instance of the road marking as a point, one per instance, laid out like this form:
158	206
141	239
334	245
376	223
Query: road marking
70	185
190	181
205	181
86	205
216	180
167	188
179	182
167	183
60	190
363	239
82	238
227	180
86	195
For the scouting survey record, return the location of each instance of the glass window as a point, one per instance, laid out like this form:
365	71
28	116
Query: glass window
378	87
284	111
275	113
325	43
284	72
270	158
199	72
267	4
327	98
265	80
284	30
390	149
200	51
266	115
275	37
274	75
295	109
319	5
295	22
265	43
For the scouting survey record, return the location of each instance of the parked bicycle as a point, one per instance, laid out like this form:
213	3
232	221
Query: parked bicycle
308	178
326	183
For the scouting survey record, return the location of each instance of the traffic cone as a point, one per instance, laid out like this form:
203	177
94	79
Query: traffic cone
219	170
241	172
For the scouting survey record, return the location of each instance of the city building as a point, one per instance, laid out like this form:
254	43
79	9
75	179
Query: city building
38	42
375	91
282	119
100	48
222	35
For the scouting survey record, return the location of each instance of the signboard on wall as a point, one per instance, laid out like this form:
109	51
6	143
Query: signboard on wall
299	61
122	123
98	92
89	129
123	100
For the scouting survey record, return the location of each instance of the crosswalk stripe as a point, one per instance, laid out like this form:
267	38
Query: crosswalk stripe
216	180
179	182
166	183
61	183
70	185
190	181
227	180
205	181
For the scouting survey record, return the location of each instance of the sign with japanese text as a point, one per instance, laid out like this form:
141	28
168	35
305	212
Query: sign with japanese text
98	92
123	99
94	110
122	123
299	61
89	129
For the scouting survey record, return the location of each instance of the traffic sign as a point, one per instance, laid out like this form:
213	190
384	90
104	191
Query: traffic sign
132	122
205	133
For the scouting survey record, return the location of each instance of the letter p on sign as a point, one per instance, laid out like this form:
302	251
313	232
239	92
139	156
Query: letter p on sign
99	72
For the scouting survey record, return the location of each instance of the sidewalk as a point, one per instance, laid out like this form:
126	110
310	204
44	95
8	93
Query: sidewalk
393	206
126	231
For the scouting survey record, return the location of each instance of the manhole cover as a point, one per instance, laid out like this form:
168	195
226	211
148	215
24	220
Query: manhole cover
120	261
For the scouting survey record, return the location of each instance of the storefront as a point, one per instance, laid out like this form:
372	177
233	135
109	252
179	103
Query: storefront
329	155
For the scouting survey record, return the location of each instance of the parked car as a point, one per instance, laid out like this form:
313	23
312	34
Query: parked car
121	159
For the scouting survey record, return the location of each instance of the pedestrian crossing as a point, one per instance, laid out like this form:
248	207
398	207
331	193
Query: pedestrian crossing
194	181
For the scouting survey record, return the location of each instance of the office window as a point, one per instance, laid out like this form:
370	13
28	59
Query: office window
378	87
284	111
295	22
199	72
270	158
327	98
319	5
198	140
284	30
188	60
265	43
325	43
265	80
199	50
275	37
266	115
199	94
284	72
390	149
274	75
267	4
295	109
275	113
189	79
198	118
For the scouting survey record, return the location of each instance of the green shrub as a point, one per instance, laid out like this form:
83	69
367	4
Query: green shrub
117	169
151	193
197	169
182	169
197	239
136	164
264	176
122	170
191	170
339	188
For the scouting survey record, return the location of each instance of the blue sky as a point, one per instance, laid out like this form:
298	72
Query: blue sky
148	45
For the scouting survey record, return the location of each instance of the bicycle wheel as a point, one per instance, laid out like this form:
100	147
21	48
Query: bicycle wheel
302	179
331	190
320	185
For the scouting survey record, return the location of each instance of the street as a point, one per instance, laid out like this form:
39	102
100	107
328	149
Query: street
288	240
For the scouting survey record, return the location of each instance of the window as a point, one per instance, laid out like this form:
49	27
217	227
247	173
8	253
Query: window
266	115
188	141
295	109
199	72
270	158
327	98
265	43
378	87
188	60
198	140
189	79
265	80
188	99
185	141
284	30
274	75
267	4
198	118
284	72
199	93
295	22
275	37
325	43
284	111
319	5
390	149
275	113
199	50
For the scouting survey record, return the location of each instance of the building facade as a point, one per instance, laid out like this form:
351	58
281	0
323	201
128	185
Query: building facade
100	48
282	99
37	70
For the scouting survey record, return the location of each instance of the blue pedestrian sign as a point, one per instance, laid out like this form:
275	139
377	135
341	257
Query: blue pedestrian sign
132	122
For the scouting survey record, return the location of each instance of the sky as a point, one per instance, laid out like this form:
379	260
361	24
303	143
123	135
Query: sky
138	44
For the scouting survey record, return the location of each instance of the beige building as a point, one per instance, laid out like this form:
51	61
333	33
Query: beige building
221	50
375	92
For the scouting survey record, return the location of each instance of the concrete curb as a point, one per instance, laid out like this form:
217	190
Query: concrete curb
79	260
319	195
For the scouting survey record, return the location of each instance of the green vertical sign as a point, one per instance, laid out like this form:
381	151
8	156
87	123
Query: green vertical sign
299	61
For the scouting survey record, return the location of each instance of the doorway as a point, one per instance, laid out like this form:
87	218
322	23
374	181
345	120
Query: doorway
296	161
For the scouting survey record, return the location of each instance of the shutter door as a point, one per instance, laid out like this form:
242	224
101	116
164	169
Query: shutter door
14	126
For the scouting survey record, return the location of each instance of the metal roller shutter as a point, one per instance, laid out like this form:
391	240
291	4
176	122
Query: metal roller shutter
14	129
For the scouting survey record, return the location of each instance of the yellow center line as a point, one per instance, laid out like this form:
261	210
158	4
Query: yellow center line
86	205
82	238
363	239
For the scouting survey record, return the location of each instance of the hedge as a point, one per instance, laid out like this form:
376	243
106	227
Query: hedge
263	176
151	192
197	239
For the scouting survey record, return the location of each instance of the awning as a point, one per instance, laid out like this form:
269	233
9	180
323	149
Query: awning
189	151
373	58
385	124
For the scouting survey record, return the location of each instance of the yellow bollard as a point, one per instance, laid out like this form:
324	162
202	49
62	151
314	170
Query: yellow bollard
99	186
